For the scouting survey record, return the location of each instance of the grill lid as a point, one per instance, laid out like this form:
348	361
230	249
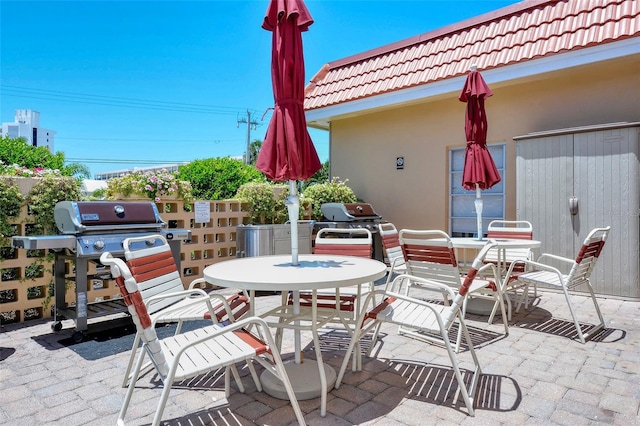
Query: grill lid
77	217
348	212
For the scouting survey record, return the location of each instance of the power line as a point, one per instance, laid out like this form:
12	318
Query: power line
92	99
216	141
110	97
149	107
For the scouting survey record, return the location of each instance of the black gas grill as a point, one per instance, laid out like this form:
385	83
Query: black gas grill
88	229
353	215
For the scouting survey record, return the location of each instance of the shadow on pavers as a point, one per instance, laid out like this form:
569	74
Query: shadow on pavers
436	384
541	320
432	383
6	353
338	340
104	343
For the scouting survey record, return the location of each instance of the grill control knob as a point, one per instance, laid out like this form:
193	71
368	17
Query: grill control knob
98	245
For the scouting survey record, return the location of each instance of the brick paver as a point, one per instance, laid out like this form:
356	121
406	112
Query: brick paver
537	374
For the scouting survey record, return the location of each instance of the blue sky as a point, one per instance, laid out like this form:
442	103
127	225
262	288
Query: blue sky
127	84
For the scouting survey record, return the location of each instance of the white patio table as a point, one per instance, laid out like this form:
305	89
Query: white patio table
309	378
503	244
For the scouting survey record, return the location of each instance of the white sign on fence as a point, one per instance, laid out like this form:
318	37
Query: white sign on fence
202	211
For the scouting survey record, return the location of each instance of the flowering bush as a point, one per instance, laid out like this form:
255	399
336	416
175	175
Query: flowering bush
43	198
266	205
10	205
152	184
266	202
21	171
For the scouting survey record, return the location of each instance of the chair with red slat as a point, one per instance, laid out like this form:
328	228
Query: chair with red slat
430	255
192	353
431	321
548	270
345	302
161	289
518	230
393	255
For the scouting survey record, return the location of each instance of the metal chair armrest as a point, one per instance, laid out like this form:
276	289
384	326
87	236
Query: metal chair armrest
491	266
395	263
397	284
198	282
554	257
536	266
243	323
184	293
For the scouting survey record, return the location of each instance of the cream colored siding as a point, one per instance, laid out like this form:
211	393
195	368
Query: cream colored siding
364	147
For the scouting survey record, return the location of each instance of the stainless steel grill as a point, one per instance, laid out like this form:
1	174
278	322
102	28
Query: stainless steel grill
349	212
353	215
88	229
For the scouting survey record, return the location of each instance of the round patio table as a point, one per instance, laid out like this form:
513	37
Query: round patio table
314	272
503	244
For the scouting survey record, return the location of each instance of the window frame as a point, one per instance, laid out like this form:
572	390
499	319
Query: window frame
455	184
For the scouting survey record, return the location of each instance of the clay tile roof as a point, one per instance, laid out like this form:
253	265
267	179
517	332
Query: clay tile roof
528	30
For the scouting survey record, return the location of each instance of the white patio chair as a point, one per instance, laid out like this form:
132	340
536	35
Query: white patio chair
510	229
393	255
196	352
432	320
430	255
164	294
545	272
344	242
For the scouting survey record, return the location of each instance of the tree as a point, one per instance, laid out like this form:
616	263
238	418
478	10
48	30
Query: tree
18	151
218	178
321	176
254	150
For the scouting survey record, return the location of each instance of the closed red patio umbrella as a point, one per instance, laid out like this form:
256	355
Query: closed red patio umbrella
479	171
287	153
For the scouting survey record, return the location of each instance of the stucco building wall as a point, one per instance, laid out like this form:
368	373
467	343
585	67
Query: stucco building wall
364	147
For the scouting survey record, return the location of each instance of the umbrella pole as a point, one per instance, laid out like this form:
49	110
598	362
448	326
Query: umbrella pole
293	207
478	204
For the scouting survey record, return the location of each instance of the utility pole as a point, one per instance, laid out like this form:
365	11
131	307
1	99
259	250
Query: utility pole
250	123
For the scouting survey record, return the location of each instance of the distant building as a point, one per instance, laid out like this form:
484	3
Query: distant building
89	186
168	167
118	173
27	125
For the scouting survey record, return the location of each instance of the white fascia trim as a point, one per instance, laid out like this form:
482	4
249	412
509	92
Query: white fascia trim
603	52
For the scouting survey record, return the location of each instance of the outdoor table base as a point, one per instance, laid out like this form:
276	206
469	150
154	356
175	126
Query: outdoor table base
304	377
479	306
313	272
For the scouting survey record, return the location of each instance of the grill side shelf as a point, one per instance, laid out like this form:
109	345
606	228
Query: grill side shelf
40	242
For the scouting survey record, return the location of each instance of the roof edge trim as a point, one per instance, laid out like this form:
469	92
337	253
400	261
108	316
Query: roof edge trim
533	67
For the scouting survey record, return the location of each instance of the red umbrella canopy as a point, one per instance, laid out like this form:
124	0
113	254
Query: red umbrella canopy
287	152
479	167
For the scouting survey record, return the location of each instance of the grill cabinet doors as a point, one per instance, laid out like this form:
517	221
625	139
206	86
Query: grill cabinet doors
570	181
